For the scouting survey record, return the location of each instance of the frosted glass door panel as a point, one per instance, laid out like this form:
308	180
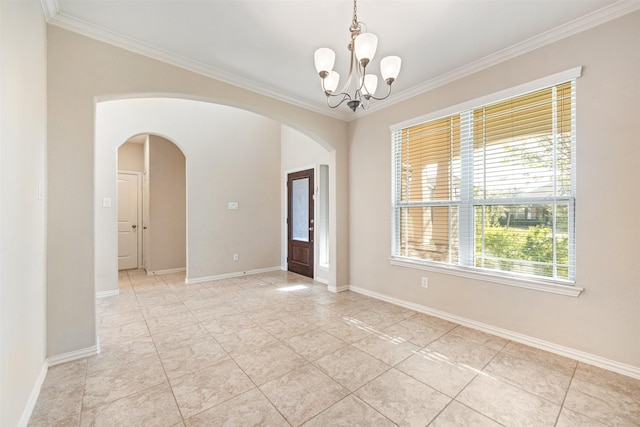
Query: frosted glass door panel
300	210
300	232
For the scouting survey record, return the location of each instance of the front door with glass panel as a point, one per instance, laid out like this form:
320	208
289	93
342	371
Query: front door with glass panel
300	222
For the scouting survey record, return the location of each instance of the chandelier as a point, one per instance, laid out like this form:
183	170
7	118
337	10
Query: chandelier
362	47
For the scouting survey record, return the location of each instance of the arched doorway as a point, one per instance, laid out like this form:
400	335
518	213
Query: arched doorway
151	205
233	158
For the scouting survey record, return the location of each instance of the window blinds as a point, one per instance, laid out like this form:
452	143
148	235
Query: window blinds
491	187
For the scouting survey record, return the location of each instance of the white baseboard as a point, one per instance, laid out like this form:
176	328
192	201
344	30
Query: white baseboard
73	355
33	397
51	361
104	294
168	271
337	289
230	275
602	362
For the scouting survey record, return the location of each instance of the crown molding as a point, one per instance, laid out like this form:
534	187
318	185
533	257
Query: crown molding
62	20
593	19
49	8
615	10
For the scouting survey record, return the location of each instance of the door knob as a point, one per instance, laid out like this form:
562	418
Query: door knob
134	226
310	228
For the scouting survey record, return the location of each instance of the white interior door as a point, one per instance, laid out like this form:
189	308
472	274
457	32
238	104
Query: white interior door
128	211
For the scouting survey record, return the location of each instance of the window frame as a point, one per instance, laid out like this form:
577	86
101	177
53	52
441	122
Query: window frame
553	285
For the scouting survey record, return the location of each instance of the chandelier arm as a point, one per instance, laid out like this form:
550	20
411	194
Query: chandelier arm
365	103
323	88
362	72
384	97
344	94
345	97
347	83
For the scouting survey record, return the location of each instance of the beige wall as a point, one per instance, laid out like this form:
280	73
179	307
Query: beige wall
131	157
167	206
23	120
81	70
299	151
605	319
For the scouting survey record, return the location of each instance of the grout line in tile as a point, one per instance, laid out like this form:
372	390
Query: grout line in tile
566	393
267	397
529	391
84	384
478	372
441	411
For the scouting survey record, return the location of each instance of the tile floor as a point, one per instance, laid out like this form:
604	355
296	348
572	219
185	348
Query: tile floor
277	349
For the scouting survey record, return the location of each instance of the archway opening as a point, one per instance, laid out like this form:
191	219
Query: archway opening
152	229
234	159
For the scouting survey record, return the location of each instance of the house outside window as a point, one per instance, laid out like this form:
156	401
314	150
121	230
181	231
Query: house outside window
490	187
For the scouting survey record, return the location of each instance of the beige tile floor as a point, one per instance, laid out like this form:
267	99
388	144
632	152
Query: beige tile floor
277	349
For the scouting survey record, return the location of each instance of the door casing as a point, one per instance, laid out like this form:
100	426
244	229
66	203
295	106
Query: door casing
300	254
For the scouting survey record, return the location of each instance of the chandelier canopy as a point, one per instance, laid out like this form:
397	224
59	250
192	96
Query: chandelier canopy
362	48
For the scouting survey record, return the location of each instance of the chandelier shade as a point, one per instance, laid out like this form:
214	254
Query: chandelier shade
362	48
331	82
324	59
370	85
390	68
366	45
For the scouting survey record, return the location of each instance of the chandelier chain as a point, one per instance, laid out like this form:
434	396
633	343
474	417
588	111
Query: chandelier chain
355	25
355	11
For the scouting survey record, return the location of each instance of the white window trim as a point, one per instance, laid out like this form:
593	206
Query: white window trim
550	286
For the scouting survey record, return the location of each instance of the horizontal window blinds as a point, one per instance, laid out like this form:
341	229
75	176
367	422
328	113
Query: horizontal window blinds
491	187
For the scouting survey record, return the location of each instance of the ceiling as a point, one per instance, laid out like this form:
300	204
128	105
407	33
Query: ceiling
267	45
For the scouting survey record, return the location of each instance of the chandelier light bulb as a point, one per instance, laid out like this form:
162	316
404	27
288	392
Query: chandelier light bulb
324	59
365	47
390	68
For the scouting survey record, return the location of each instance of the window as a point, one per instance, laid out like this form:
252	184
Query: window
490	187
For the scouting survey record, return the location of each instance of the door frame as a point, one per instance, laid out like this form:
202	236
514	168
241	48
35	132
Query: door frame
285	210
139	216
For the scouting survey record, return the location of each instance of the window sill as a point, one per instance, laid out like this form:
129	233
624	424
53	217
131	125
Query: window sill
536	285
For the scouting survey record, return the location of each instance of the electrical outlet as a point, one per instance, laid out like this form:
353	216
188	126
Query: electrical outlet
235	257
425	282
